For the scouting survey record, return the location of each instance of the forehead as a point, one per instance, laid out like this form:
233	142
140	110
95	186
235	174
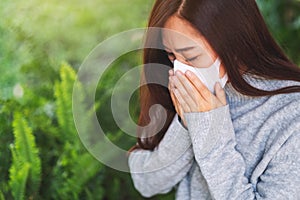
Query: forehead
178	33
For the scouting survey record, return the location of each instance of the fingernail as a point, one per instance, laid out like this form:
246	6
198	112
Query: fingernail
178	73
188	73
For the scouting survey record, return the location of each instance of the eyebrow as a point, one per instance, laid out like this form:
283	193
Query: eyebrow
182	49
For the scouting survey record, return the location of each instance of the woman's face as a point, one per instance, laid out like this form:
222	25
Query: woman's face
184	43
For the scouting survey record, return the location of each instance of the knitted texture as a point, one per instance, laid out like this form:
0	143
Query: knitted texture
247	149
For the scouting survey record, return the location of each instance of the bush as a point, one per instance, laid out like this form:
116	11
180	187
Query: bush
41	154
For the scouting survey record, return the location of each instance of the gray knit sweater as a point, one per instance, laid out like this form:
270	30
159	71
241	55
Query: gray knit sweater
248	149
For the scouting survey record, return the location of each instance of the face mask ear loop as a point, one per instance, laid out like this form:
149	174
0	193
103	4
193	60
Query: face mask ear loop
218	63
224	79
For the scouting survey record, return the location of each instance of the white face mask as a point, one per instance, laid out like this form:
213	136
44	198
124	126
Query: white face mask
209	75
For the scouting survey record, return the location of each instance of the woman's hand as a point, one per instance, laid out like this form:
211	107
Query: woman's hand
177	106
192	95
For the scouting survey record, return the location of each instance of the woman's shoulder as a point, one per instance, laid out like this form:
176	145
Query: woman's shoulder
268	84
285	106
291	99
274	84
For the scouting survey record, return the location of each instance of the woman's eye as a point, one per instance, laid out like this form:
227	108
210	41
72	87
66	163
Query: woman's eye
191	59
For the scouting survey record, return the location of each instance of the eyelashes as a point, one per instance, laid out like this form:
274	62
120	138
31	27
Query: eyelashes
172	57
192	59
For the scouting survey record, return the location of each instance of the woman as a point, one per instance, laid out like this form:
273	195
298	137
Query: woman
243	142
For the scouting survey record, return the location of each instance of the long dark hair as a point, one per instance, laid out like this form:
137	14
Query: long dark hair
236	31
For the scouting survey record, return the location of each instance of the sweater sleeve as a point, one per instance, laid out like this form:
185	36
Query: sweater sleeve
223	167
158	171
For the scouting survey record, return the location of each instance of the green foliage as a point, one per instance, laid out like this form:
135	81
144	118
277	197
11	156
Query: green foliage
63	94
18	181
283	19
41	154
26	165
1	196
75	161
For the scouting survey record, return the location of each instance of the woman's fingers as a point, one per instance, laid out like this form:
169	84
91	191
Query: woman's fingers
171	85
185	106
190	92
174	100
199	85
175	103
183	87
191	95
220	93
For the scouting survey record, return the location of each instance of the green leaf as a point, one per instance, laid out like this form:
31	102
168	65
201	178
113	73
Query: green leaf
25	155
18	179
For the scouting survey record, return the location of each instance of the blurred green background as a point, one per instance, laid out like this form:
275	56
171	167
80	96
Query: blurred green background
42	44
